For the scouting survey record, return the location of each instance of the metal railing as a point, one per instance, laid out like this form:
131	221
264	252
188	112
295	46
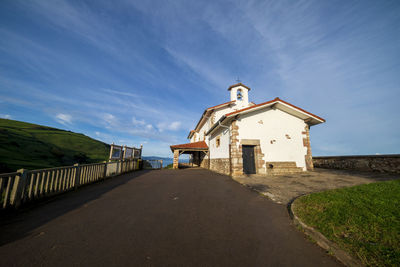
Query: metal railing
23	186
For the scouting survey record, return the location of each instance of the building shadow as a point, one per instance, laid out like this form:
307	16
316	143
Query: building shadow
17	224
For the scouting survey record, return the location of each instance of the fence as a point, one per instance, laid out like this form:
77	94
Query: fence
24	186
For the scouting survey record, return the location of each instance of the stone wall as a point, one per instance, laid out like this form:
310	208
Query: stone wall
205	163
236	151
377	163
306	143
220	165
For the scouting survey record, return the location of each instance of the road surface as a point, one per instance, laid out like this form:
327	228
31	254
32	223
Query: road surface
190	217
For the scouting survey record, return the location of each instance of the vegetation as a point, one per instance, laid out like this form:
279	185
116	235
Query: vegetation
169	166
32	146
364	220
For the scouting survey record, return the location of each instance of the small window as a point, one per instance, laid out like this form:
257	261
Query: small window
218	141
204	136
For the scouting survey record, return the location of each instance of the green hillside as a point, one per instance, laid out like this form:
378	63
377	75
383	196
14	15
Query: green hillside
32	146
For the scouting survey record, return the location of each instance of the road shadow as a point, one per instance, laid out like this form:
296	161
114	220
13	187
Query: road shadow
17	224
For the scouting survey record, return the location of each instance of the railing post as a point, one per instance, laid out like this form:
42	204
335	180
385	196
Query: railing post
18	188
77	175
105	170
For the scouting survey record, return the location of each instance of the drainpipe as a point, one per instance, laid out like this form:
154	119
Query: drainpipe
230	157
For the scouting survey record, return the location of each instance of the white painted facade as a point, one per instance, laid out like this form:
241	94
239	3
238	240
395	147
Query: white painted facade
221	151
280	135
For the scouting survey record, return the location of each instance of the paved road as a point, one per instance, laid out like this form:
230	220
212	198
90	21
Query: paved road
189	217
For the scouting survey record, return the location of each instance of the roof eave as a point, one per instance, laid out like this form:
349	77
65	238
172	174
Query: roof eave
215	125
271	104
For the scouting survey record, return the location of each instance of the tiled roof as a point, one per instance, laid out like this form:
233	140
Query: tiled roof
194	145
223	104
207	110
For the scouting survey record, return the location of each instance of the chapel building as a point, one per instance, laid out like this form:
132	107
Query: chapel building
241	137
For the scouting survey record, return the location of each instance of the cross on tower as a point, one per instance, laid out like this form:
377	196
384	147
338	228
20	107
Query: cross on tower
238	80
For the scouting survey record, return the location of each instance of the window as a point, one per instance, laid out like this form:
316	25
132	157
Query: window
218	141
204	136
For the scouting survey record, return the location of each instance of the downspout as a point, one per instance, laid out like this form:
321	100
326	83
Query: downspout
230	158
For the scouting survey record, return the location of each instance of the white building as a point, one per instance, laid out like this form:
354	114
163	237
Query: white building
240	137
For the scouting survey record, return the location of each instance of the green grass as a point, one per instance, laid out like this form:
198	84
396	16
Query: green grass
32	146
363	220
169	166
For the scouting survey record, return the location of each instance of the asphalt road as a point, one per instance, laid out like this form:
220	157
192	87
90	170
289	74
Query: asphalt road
188	217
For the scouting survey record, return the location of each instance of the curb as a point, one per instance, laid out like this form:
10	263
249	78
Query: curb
321	240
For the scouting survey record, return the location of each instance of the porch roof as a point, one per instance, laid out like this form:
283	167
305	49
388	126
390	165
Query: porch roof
195	146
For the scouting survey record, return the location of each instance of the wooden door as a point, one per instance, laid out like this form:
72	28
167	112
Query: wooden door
249	166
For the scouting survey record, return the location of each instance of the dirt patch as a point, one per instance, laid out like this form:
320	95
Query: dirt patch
282	189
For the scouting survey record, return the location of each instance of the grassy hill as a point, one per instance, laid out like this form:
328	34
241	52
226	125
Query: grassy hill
32	146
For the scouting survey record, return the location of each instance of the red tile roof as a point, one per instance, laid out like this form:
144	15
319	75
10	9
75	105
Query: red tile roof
194	145
209	109
220	105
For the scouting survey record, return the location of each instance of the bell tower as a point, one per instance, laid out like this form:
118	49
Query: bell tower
240	93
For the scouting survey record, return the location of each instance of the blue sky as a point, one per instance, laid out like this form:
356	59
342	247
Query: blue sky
142	72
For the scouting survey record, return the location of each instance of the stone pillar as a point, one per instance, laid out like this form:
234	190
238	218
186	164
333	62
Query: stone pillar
176	159
307	144
236	151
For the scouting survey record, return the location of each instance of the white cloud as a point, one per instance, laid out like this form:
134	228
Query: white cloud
138	122
109	117
5	116
173	126
120	93
64	118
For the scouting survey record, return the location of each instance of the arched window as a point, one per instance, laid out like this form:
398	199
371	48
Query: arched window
239	95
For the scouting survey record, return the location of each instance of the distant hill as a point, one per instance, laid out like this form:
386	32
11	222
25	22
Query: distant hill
32	146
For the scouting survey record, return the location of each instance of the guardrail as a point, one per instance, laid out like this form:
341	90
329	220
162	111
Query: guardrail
23	186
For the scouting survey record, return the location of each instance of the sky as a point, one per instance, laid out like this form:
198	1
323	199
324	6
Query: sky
142	72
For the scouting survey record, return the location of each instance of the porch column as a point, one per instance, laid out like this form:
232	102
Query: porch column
176	159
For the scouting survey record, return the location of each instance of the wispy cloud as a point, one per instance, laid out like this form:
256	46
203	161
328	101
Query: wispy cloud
5	116
173	126
138	122
120	93
145	70
64	119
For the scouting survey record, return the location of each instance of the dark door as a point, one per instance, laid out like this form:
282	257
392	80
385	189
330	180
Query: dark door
249	165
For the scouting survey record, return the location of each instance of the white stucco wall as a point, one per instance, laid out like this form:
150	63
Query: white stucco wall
275	125
222	111
245	96
222	151
205	128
